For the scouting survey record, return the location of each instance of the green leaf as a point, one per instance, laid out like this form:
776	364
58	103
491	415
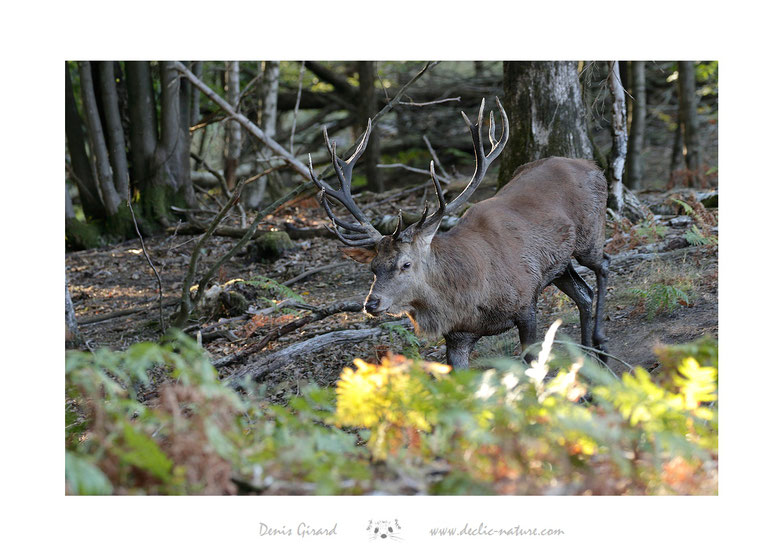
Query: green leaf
142	452
84	478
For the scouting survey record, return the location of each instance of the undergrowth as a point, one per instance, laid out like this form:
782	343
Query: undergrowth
498	430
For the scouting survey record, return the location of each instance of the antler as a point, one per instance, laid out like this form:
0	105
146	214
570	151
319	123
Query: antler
365	233
482	162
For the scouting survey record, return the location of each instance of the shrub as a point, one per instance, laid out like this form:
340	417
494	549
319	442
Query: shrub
501	430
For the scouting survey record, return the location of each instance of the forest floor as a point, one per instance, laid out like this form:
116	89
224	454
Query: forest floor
663	289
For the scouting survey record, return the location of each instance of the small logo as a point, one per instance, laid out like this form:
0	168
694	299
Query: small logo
384	530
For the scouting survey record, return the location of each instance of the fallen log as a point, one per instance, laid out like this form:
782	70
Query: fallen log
316	315
278	359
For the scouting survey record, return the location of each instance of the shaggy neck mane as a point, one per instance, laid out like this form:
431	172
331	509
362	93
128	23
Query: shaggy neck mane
448	288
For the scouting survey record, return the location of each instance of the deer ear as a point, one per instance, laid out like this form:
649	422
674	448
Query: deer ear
362	255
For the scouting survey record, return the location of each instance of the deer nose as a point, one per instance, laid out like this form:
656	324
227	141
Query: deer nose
371	304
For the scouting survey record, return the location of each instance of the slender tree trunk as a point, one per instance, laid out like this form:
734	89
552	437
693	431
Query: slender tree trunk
687	97
143	124
619	143
69	210
546	114
114	130
233	129
111	200
637	135
80	163
367	107
676	157
72	336
165	168
195	97
254	192
184	145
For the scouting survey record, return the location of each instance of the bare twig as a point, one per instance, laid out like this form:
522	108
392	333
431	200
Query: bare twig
410	169
149	261
218	175
435	158
452	99
186	305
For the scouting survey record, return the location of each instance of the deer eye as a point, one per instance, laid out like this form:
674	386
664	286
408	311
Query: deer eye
405	266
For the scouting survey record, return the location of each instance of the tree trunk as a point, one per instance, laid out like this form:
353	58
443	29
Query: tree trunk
233	129
111	200
687	97
546	114
637	133
367	109
195	97
114	130
184	146
165	166
620	198
72	336
80	163
619	139
143	124
268	92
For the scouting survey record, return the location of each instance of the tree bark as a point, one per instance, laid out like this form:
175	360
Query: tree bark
687	101
268	93
619	139
143	123
637	132
184	145
72	336
546	114
80	163
111	200
233	129
366	109
114	130
166	165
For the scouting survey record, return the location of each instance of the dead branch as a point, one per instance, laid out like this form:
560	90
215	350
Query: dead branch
317	315
186	303
120	313
310	272
452	99
276	360
252	128
149	262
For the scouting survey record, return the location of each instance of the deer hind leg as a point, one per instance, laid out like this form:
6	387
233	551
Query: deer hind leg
601	266
573	285
459	347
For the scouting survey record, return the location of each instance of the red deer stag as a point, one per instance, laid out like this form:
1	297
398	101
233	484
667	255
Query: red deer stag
484	276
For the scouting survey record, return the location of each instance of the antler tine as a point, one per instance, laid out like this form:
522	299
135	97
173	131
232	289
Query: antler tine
343	170
366	241
482	161
399	227
347	225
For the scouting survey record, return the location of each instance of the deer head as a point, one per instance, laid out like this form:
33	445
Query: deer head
400	261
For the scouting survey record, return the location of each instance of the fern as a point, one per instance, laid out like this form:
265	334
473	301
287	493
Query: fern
661	298
411	342
275	289
696	238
